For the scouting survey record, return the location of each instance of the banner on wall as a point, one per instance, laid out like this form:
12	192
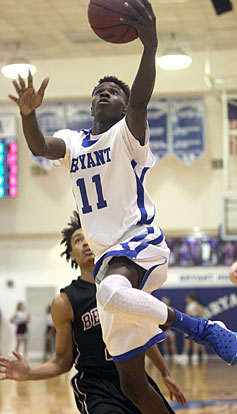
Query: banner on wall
51	118
157	115
187	129
213	289
176	125
78	115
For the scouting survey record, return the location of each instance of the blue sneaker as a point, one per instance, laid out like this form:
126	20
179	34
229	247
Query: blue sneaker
216	336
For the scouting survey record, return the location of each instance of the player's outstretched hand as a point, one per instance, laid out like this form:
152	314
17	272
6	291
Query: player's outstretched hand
233	273
14	369
143	20
174	389
28	98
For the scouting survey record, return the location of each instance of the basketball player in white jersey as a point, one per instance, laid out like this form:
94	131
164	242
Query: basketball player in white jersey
108	166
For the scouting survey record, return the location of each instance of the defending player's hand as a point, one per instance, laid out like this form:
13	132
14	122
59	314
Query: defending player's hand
28	98
174	389
233	273
14	369
144	21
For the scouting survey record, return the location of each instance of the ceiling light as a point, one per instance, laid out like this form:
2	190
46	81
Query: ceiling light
174	59
18	65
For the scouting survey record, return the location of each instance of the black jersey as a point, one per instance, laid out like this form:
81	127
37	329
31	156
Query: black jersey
90	353
96	386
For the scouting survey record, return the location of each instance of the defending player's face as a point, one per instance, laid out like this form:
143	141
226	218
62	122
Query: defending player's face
81	253
108	102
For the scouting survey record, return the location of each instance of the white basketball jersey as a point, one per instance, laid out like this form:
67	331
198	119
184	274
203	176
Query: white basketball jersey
108	173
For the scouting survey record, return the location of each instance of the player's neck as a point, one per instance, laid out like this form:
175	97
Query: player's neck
87	275
101	126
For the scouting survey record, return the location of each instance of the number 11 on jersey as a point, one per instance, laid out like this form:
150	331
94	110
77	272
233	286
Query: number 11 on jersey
86	207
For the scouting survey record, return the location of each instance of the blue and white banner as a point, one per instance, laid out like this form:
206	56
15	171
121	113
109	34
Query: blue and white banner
8	126
157	115
51	118
187	129
211	286
78	115
176	125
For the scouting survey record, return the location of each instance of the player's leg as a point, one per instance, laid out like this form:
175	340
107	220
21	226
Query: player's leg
116	295
135	386
25	343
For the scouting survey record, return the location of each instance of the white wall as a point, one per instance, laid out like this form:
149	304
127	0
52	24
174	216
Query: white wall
184	196
30	262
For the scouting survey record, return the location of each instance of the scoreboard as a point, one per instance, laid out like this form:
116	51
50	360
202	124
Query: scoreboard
8	168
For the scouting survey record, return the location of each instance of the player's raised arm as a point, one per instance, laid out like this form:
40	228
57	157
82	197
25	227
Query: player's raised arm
143	85
28	100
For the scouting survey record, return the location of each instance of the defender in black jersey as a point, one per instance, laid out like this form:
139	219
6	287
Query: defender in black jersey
96	385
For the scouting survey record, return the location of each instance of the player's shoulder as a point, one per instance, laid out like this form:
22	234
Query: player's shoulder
61	308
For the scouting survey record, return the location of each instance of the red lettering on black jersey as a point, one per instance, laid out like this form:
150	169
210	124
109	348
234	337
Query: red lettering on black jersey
95	316
87	321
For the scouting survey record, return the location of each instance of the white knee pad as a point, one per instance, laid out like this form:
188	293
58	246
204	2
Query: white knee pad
109	286
116	295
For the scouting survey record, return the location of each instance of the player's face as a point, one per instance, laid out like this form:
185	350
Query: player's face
81	253
108	102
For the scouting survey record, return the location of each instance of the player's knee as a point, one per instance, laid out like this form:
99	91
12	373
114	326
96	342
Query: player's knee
106	292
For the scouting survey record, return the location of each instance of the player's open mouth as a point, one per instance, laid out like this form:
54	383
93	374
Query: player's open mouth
103	101
88	252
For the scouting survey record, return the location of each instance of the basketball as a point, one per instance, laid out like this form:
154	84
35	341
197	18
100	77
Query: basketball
104	18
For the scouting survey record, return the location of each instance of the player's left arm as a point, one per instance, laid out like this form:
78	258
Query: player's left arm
155	356
145	24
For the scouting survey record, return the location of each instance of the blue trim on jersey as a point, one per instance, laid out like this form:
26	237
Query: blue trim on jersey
145	169
86	142
131	254
140	195
136	351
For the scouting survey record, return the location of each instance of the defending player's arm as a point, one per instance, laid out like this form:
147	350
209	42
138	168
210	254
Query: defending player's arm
155	356
19	370
143	84
28	100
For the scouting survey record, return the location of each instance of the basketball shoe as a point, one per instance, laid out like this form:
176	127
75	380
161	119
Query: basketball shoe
216	336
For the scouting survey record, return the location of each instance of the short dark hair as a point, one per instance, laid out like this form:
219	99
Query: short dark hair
67	233
118	82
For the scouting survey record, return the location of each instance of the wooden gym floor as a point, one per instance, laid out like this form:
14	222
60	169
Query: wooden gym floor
209	388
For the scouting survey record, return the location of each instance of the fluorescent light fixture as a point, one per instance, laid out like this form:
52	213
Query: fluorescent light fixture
174	59
19	66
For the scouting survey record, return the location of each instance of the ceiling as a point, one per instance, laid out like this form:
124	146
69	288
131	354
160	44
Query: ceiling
56	29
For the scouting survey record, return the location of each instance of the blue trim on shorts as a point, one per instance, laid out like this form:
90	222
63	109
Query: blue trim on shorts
147	274
136	351
130	254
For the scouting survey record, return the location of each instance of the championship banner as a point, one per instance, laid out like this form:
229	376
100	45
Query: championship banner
78	115
157	115
187	129
51	118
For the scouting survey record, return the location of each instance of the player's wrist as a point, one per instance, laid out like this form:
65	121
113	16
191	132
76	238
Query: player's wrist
27	115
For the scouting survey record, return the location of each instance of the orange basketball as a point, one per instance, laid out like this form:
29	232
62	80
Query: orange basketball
104	18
